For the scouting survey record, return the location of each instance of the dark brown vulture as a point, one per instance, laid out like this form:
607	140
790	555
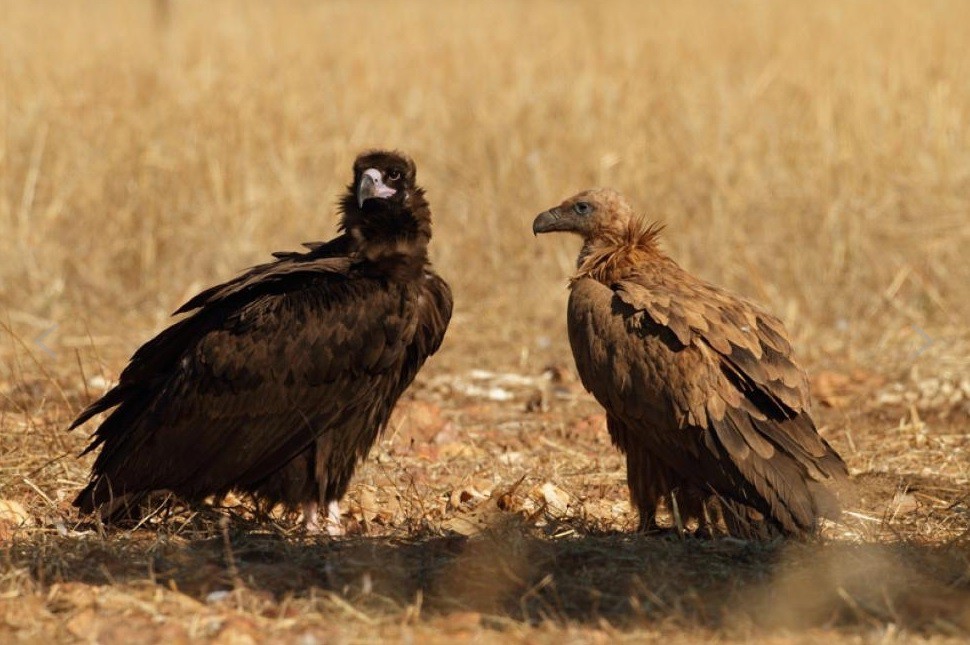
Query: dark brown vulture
280	380
701	390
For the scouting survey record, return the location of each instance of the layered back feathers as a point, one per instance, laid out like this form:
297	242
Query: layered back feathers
700	386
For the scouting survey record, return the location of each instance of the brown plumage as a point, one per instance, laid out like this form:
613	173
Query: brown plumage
279	381
701	390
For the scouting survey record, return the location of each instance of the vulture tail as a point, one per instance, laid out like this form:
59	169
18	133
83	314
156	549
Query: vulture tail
794	479
99	496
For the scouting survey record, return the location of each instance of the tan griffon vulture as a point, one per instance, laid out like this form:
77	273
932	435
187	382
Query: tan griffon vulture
701	390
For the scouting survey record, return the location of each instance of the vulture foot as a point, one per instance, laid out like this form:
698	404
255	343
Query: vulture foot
334	527
311	517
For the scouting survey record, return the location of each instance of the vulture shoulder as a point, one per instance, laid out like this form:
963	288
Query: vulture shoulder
435	305
747	343
335	256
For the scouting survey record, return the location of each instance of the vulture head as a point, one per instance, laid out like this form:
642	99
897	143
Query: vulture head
383	200
614	236
592	214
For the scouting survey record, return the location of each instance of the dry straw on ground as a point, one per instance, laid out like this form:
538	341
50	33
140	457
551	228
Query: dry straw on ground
814	157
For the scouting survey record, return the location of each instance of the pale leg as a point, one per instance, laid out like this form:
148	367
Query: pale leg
334	526
311	520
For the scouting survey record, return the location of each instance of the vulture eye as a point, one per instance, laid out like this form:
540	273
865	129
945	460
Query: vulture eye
393	175
583	208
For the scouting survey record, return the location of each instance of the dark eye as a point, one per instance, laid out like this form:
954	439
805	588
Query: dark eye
583	208
393	175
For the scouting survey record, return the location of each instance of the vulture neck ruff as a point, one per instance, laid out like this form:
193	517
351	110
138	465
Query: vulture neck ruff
608	255
392	232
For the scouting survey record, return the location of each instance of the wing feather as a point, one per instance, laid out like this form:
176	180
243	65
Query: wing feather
330	257
229	395
714	381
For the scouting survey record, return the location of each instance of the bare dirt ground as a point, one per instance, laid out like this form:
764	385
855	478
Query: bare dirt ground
813	157
495	508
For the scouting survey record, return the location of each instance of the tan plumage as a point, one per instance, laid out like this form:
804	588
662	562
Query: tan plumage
700	387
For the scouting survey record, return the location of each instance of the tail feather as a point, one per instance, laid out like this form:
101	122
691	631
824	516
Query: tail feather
114	396
112	505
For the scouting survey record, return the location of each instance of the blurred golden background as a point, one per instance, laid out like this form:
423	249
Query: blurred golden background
813	157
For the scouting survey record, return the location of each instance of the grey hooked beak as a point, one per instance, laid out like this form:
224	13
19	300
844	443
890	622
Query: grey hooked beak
372	187
551	220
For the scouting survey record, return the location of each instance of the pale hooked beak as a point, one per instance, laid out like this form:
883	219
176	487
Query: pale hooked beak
372	186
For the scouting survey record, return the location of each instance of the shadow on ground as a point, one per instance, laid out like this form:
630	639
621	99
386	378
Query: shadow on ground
515	572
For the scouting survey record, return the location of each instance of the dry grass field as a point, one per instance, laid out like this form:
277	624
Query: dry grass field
812	156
